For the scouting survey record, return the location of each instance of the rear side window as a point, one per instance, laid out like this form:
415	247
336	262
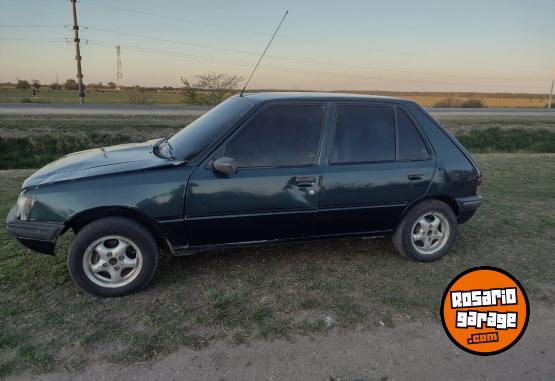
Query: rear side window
285	135
364	134
411	145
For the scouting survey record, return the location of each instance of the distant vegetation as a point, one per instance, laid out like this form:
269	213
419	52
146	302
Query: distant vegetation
210	88
28	141
215	87
452	102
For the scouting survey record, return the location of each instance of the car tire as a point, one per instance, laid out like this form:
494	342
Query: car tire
427	231
113	256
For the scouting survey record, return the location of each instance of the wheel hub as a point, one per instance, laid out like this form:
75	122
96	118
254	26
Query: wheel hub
112	261
430	233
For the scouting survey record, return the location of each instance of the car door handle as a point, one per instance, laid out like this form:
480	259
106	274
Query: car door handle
415	175
305	181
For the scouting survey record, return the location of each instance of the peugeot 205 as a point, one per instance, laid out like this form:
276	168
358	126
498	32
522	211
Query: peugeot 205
258	168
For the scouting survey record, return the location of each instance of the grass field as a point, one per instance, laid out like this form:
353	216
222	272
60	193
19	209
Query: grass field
69	96
236	295
28	141
11	95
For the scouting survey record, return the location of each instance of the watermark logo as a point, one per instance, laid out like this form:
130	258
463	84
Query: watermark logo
485	310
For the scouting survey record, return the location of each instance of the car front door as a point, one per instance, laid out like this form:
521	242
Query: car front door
274	193
378	163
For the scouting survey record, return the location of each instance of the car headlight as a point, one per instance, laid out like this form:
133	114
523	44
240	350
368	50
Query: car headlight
24	205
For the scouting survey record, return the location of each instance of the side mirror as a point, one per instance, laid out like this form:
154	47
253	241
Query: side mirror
225	165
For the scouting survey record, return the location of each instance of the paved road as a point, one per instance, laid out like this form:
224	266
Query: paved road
102	109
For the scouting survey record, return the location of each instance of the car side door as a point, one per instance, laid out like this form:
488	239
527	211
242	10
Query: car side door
274	193
378	163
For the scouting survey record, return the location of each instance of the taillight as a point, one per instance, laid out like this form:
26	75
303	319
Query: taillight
478	182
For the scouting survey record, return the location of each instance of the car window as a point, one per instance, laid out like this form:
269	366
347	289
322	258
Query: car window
364	134
411	146
284	135
191	140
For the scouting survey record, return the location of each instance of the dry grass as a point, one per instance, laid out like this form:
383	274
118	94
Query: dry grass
490	102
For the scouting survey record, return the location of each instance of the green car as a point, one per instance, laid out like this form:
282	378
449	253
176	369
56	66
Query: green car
258	168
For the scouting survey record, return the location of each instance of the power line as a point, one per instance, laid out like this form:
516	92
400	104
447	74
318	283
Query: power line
179	42
29	26
207	59
312	41
34	39
311	61
317	62
277	67
181	19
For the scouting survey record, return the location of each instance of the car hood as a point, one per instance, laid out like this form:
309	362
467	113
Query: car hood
99	161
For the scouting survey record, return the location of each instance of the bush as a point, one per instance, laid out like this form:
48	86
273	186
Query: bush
473	103
71	84
496	139
446	103
452	102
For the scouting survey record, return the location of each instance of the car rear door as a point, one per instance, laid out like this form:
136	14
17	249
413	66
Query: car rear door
275	191
377	163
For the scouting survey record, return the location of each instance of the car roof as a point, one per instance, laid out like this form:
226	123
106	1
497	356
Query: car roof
318	96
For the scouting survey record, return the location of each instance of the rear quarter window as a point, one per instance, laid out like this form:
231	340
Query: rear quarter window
411	145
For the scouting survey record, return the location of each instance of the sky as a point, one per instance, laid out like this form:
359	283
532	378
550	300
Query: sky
427	45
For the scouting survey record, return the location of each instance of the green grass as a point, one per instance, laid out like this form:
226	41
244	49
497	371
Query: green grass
47	322
9	95
29	141
508	140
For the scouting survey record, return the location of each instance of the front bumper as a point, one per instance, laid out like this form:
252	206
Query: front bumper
467	207
37	236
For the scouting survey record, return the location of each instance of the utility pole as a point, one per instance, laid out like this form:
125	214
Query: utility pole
77	52
119	75
551	93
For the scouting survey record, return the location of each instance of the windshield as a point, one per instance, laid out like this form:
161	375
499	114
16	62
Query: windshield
194	138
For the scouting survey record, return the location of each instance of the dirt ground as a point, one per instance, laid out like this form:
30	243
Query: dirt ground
416	350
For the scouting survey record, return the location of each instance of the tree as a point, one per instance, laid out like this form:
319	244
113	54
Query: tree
111	85
210	88
71	84
55	86
22	84
36	83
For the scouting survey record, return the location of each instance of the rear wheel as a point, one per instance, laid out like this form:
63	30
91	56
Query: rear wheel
113	256
427	232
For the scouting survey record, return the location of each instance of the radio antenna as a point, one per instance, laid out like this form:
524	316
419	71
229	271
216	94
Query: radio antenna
264	53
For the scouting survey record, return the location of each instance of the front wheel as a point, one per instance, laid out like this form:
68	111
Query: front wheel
427	232
113	256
